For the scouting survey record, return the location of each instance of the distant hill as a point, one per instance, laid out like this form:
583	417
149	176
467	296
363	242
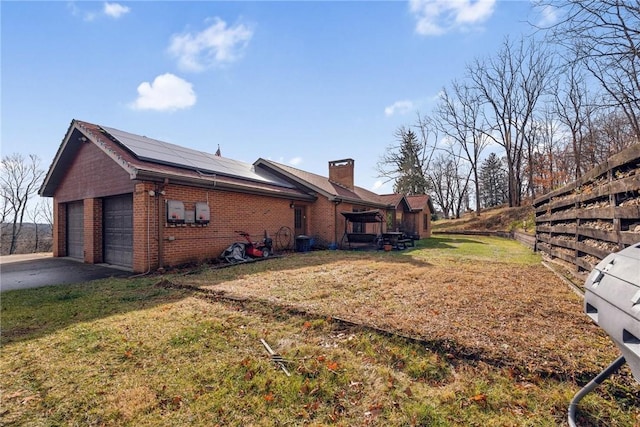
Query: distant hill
27	238
500	218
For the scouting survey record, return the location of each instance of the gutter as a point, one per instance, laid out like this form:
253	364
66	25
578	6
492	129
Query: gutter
209	184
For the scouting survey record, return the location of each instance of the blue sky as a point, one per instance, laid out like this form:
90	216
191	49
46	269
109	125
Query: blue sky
299	82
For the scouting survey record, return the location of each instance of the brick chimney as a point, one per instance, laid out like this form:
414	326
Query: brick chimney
341	172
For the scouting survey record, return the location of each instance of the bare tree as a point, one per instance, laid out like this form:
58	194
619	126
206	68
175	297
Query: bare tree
19	180
46	211
604	36
545	174
574	112
41	216
613	133
450	183
511	84
458	116
440	177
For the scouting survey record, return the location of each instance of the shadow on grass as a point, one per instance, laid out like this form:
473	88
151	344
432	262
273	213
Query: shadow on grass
33	313
446	242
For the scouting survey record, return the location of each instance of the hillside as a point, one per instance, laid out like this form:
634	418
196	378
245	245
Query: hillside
501	218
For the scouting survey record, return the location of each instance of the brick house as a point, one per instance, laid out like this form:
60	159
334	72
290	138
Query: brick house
140	203
409	214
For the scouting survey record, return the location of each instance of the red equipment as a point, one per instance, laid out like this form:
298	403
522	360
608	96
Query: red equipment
261	249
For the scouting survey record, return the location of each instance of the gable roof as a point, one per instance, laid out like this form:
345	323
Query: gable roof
149	159
418	202
322	185
396	200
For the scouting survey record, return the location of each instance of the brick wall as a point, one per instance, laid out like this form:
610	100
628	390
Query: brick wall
230	212
329	223
93	174
145	227
59	229
321	224
93	231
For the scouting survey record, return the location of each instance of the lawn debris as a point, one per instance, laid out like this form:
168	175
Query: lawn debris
277	359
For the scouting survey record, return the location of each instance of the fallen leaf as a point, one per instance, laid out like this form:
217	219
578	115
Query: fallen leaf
479	398
306	325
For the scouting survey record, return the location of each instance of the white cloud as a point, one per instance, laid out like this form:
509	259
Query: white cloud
549	15
115	10
399	107
436	17
381	187
77	12
295	161
166	93
215	45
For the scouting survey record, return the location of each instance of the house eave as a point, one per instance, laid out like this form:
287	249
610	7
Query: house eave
213	184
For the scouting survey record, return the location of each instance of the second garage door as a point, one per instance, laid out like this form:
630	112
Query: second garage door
118	230
75	230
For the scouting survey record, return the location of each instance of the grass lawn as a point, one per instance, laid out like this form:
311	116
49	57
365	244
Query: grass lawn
458	331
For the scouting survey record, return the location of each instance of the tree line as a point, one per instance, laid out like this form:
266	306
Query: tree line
25	223
549	107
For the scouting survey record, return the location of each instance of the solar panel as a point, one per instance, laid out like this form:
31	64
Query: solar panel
156	151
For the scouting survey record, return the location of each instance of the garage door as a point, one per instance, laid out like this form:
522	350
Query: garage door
75	230
118	230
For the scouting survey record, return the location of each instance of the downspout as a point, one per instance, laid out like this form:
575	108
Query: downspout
336	202
160	228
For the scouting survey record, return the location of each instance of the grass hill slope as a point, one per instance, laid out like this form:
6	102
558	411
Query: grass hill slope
501	218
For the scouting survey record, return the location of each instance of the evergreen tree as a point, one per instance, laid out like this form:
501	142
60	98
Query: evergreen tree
410	179
493	182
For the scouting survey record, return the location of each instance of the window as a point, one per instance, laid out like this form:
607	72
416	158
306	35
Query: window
298	219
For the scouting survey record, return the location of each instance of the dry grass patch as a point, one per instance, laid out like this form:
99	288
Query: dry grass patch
513	313
500	218
152	351
197	362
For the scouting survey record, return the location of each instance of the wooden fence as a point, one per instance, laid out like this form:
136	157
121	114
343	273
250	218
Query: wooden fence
583	222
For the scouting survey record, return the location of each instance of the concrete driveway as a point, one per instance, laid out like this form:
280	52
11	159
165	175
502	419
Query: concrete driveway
35	270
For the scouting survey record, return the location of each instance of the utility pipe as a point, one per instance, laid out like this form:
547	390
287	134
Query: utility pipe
608	371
